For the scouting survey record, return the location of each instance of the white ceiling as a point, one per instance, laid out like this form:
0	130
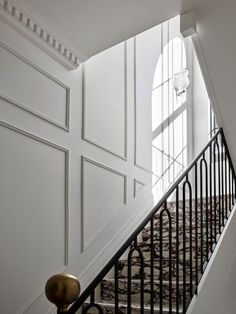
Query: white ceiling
91	26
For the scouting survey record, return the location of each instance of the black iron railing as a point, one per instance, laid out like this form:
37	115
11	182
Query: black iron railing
158	268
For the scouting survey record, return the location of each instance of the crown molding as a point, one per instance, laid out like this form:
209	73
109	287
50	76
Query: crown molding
40	35
187	23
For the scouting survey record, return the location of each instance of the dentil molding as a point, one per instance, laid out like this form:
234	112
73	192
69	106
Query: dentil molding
39	35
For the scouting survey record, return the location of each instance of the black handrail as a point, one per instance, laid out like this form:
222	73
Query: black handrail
208	223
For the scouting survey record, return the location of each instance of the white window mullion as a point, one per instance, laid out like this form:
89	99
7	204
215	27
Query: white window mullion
173	95
162	102
169	109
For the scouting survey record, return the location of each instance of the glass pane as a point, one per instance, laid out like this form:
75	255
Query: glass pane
165	144
166	63
184	56
157	162
177	55
185	161
156	108
170	59
165	100
171	96
184	128
158	74
178	134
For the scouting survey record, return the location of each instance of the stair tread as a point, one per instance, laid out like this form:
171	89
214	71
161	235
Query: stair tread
136	306
165	282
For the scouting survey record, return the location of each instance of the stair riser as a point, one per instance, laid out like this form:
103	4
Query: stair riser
135	270
110	309
146	233
165	253
199	228
202	212
107	292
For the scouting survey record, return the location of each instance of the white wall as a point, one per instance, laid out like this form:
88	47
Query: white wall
217	49
215	45
200	109
71	163
216	294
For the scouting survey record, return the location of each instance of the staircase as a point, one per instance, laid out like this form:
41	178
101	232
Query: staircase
158	269
176	294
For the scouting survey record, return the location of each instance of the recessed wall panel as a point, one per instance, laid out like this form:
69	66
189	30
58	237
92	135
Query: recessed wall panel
28	87
33	228
103	196
104	100
138	186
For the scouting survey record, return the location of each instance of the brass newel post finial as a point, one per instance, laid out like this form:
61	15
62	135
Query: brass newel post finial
62	290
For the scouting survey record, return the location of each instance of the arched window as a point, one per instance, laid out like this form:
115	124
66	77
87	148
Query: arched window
169	116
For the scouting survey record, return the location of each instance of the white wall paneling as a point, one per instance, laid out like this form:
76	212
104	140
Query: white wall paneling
138	185
27	86
105	101
36	233
146	55
104	194
34	215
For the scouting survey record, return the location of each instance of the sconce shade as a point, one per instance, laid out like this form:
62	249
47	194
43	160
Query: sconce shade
181	81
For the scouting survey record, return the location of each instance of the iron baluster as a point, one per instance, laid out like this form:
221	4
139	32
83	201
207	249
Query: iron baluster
196	223
161	261
177	249
222	182
152	266
201	216
184	247
116	273
210	198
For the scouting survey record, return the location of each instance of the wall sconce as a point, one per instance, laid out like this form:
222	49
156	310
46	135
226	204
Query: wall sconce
181	82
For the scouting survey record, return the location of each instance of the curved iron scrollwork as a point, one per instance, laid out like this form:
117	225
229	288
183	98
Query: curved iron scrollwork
137	249
91	306
161	263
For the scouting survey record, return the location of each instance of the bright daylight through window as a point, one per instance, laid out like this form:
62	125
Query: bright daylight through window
169	112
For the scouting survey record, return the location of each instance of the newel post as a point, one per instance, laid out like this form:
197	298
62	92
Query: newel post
62	290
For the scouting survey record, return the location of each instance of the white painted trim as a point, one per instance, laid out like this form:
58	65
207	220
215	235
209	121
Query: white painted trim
190	137
84	136
15	16
92	270
208	267
187	23
124	176
50	77
135	114
207	78
135	184
66	256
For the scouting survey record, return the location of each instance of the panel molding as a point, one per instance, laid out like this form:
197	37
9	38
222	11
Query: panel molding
135	185
50	77
135	113
22	22
38	294
91	271
102	166
84	136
